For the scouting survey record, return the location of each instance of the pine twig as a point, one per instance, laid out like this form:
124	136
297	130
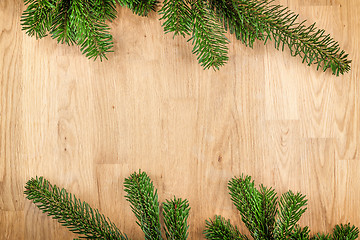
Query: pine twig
278	23
72	213
210	43
220	229
291	208
176	213
37	18
140	7
144	204
177	16
255	209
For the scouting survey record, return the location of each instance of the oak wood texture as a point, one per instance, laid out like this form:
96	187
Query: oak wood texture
87	125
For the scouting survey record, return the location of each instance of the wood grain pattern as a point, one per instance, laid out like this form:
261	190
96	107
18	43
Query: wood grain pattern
87	125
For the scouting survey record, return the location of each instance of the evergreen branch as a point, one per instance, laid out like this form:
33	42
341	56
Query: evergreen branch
210	43
177	16
268	210
310	43
61	28
253	207
299	233
77	216
140	7
37	18
291	208
220	229
319	236
105	9
176	213
345	232
235	21
92	34
144	204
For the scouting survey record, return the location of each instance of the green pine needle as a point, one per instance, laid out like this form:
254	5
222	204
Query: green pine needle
91	32
345	232
278	23
291	208
177	16
76	215
37	18
257	211
176	213
140	7
220	229
144	203
84	23
210	43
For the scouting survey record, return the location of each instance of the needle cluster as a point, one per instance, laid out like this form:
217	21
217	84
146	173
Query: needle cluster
267	217
263	214
204	22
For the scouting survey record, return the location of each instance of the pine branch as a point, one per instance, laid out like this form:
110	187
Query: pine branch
291	208
92	34
278	23
77	216
299	233
177	16
61	28
255	208
319	236
144	204
235	21
37	18
345	232
140	7
176	213
220	229
210	43
105	9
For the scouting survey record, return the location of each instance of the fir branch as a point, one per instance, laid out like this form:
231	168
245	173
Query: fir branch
210	43
268	209
291	208
345	232
144	204
177	16
76	215
254	208
140	7
105	9
299	233
92	34
235	21
319	236
176	213
37	18
220	229
311	44
61	28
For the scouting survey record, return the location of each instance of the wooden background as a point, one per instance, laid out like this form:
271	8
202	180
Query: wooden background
87	125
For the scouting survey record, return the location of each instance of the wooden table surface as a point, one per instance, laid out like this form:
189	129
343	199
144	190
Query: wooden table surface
87	125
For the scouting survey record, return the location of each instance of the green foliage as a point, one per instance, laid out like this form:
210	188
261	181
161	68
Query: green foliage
144	204
204	21
72	213
176	213
178	17
140	7
220	229
342	232
265	217
81	219
208	37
